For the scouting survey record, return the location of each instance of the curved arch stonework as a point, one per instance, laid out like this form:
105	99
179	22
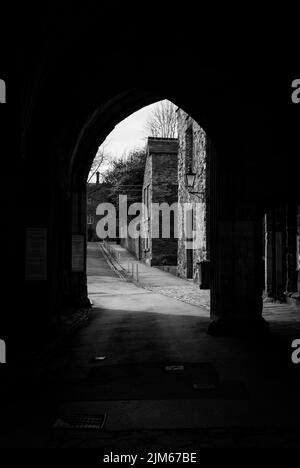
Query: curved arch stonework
71	113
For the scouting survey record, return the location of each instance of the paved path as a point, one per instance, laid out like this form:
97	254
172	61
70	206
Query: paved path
154	279
247	394
139	332
160	281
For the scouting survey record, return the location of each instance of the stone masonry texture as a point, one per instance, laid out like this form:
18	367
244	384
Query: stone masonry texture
160	186
193	148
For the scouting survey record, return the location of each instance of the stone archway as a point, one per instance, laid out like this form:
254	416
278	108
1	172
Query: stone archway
235	221
69	118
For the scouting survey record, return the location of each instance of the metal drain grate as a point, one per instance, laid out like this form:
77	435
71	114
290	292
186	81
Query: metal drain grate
81	421
99	358
174	368
204	386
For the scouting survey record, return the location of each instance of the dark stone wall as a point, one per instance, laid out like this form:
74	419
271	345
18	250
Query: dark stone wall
161	178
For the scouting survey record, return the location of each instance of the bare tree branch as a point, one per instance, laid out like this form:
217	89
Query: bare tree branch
100	158
162	122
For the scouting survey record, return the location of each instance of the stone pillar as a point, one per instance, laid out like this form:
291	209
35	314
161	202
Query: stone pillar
78	283
291	249
237	272
236	257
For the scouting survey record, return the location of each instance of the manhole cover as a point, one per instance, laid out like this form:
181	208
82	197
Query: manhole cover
81	421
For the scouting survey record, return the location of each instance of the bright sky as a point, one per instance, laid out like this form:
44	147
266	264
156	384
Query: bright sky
128	134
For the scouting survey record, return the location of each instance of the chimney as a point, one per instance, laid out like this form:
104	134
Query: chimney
97	175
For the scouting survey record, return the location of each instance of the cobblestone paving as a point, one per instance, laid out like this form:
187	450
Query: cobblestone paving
274	312
190	294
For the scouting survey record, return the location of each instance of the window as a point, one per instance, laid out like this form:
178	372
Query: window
145	203
148	201
189	147
189	224
90	219
147	207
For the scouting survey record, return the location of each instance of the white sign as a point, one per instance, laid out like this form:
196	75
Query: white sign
2	92
77	252
2	352
36	254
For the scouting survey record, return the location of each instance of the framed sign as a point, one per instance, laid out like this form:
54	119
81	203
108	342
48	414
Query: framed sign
77	252
36	254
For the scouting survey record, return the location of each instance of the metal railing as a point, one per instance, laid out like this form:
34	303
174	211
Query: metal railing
132	267
113	253
133	270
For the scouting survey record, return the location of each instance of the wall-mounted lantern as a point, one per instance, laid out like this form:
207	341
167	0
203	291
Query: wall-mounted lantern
190	178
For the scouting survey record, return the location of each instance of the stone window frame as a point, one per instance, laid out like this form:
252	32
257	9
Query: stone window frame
189	146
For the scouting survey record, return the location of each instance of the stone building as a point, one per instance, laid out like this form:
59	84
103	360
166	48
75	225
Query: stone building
193	149
282	253
96	193
160	186
132	243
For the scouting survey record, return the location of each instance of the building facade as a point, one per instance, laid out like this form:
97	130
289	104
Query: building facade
96	193
160	186
282	254
193	157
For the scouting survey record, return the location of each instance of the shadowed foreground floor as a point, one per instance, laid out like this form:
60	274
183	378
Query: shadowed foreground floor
226	391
